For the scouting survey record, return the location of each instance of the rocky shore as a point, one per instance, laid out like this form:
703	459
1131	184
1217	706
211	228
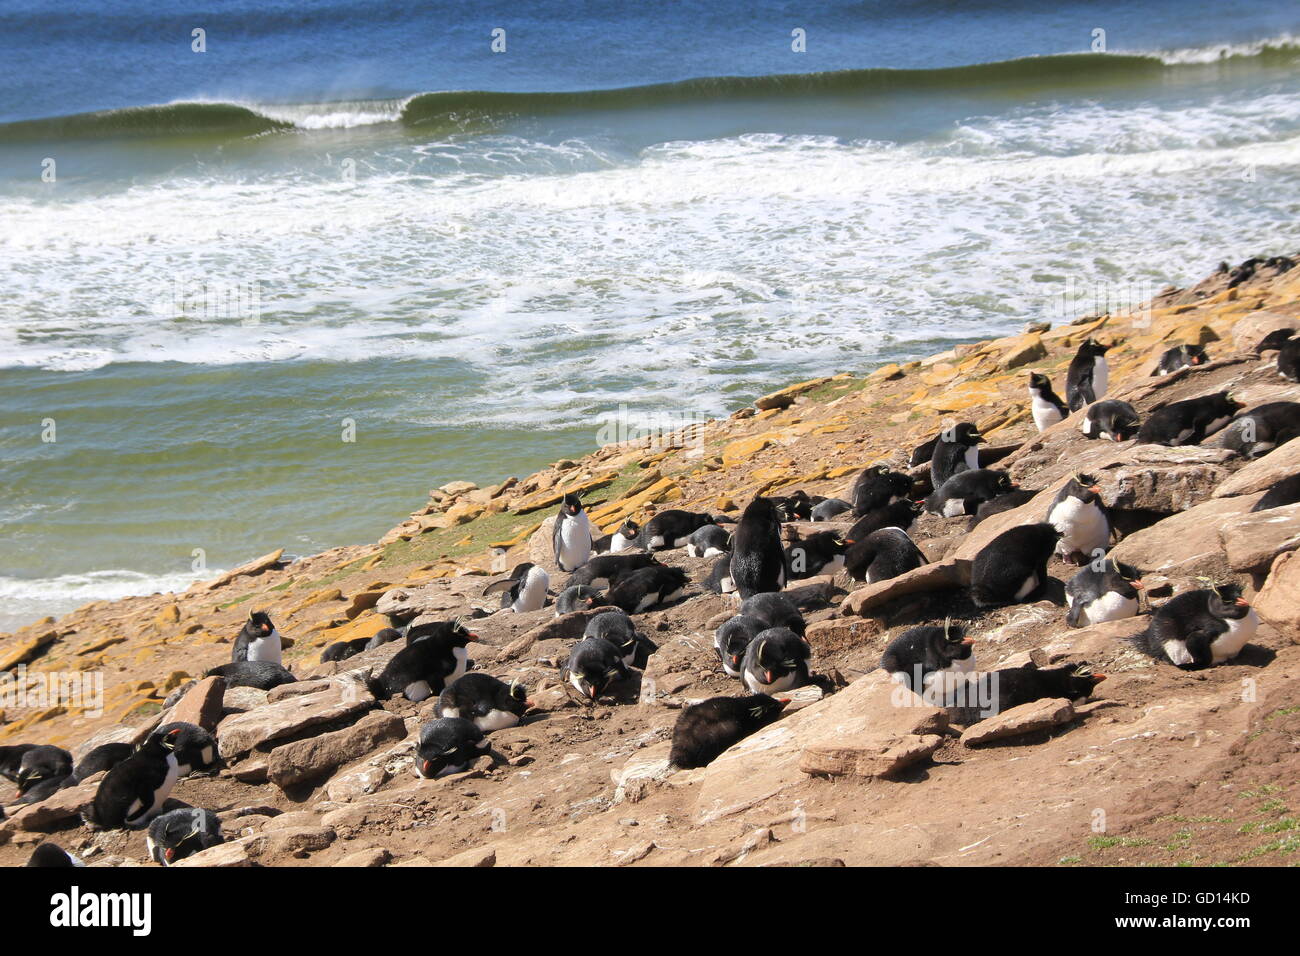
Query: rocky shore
1162	766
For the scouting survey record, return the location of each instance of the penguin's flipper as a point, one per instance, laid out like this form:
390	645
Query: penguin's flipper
557	538
505	584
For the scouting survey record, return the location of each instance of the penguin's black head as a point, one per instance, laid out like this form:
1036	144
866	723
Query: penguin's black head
1003	485
572	505
780	652
1081	681
593	681
259	622
1085	488
1231	403
963	433
763	709
1227	602
630	529
1195	354
1039	380
1093	347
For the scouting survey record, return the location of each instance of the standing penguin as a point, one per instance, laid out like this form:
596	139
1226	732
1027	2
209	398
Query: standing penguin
1045	404
882	555
1111	420
920	655
177	834
1188	422
1079	516
757	558
594	665
1106	594
525	589
134	791
1088	376
490	703
1181	356
1198	628
733	638
955	451
448	745
705	730
1013	566
435	659
258	640
877	486
776	660
572	535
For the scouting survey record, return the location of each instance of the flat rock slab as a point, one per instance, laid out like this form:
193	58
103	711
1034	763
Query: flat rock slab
1278	601
868	755
1252	541
303	760
478	857
405	604
1186	543
240	733
56	808
1263	473
256	566
1022	719
928	577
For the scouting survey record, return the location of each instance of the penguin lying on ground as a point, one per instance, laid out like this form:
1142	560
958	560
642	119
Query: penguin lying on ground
594	665
1108	593
524	590
996	506
776	660
1088	376
342	650
43	771
774	610
757	557
382	637
1111	420
1285	491
917	657
571	536
897	514
1078	514
263	675
103	757
956	450
195	749
647	587
719	580
1256	432
923	452
1181	356
622	539
964	492
1045	405
1288	359
426	666
52	856
1188	422
177	834
708	542
258	640
882	555
732	639
1012	568
1274	341
877	486
607	569
672	529
11	760
617	628
819	553
1198	628
796	506
448	745
830	509
1012	687
490	703
134	791
577	598
705	730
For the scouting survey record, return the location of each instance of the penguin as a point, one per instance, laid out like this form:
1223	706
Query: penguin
11	760
647	587
490	703
1188	422
819	553
525	589
1111	420
882	555
427	665
1285	491
1012	568
877	486
613	625
1256	432
922	657
1274	341
103	757
43	771
578	598
606	569
704	730
955	451
342	650
594	665
176	834
708	541
52	855
732	639
1088	375
830	509
796	506
1045	405
757	557
382	637
448	745
194	747
776	660
260	674
719	580
1002	503
133	792
258	640
774	610
964	492
1181	356
898	514
1108	593
1198	628
625	537
1014	686
672	529
1288	359
923	452
1079	515
571	537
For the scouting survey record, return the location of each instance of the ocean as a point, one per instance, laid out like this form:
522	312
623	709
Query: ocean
267	283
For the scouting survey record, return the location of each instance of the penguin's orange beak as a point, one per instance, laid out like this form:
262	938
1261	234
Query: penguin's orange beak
1242	602
767	677
1095	489
968	641
1138	584
1098	678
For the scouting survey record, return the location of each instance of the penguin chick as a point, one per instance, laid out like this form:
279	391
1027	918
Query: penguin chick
1188	422
1198	628
882	555
43	770
11	760
732	639
1105	593
877	486
260	674
427	665
708	541
1012	568
1077	512
964	492
916	656
1111	420
571	537
342	650
524	590
176	834
1045	405
647	588
134	791
258	640
996	506
382	637
704	730
776	660
448	745
819	553
1288	359
774	610
1181	356
1012	687
594	665
1274	341
578	598
490	703
719	580
625	537
1088	376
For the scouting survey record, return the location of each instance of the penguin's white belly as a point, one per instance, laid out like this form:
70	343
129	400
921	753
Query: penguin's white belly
575	543
1085	426
973	457
648	601
1177	652
657	541
134	815
532	596
449	712
619	543
713	552
727	585
496	720
1111	606
1100	376
756	686
729	670
954	507
266	648
1229	644
1027	588
462	664
1045	414
1083	527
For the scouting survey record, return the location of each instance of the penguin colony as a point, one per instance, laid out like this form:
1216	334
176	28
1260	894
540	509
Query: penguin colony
752	561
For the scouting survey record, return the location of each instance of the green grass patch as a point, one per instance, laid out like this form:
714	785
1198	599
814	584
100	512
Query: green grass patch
1106	843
